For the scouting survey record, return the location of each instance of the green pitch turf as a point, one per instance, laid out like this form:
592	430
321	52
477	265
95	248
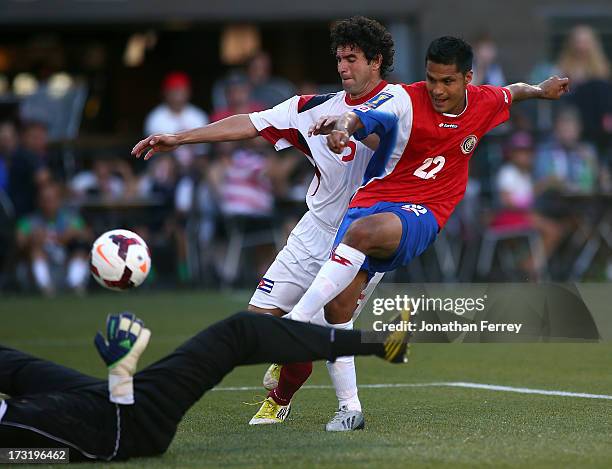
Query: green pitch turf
418	426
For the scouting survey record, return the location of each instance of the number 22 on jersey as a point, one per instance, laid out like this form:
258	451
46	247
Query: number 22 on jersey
430	167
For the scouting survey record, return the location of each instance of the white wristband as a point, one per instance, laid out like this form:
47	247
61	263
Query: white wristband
121	389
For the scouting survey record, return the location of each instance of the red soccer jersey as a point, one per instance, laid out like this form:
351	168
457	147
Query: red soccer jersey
435	150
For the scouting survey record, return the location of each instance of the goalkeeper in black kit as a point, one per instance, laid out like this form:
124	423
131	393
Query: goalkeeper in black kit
136	414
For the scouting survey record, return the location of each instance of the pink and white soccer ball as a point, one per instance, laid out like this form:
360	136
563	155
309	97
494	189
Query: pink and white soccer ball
120	260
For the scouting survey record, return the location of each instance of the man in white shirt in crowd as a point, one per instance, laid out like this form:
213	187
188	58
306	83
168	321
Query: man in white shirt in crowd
176	113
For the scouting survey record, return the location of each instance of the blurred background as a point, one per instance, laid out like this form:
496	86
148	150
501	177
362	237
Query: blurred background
81	81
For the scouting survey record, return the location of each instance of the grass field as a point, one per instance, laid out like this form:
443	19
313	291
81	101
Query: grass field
428	426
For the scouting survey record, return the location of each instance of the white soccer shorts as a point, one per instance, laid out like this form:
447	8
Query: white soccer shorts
296	266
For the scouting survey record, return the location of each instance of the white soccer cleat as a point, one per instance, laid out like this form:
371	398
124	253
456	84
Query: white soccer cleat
346	421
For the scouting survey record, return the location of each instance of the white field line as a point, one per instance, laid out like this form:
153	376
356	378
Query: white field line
450	384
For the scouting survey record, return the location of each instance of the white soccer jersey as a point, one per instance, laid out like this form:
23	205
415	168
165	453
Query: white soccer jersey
337	177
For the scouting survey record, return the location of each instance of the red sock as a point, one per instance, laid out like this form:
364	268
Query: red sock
292	377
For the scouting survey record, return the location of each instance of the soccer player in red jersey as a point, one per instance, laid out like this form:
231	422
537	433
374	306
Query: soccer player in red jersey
429	130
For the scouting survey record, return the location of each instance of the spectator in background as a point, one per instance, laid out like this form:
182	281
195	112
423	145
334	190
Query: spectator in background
487	70
566	164
176	114
514	183
165	228
267	89
246	198
27	167
584	61
159	181
246	189
109	179
516	195
55	242
238	96
9	141
196	202
35	141
582	57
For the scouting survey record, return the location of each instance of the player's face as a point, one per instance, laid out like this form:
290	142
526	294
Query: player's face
358	75
446	87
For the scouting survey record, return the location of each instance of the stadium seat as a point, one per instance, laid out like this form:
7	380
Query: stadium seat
246	232
491	242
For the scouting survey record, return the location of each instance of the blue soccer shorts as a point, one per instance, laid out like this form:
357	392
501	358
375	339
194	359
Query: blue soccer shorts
419	231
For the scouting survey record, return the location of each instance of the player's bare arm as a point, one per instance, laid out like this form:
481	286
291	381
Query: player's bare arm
551	88
238	127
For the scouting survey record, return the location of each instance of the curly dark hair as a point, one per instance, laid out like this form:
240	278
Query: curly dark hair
367	34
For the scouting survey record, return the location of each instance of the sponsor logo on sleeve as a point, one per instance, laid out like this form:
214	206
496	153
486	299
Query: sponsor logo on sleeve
378	100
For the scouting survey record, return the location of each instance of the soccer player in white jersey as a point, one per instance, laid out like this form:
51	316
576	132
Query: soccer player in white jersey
364	53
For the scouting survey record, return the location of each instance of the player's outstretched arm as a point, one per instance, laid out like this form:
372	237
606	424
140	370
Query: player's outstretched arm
551	88
238	127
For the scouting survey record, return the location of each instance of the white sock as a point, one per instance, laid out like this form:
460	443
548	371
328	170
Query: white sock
335	275
319	319
78	272
343	376
367	293
42	275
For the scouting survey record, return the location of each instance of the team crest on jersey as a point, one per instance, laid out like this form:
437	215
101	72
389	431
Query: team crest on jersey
265	285
468	144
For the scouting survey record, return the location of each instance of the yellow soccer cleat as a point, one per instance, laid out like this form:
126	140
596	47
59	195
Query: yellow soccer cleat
270	379
397	344
271	412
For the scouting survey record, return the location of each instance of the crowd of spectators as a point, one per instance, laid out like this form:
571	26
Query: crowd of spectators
193	206
199	207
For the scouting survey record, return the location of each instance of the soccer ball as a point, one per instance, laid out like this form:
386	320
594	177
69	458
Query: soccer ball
120	260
